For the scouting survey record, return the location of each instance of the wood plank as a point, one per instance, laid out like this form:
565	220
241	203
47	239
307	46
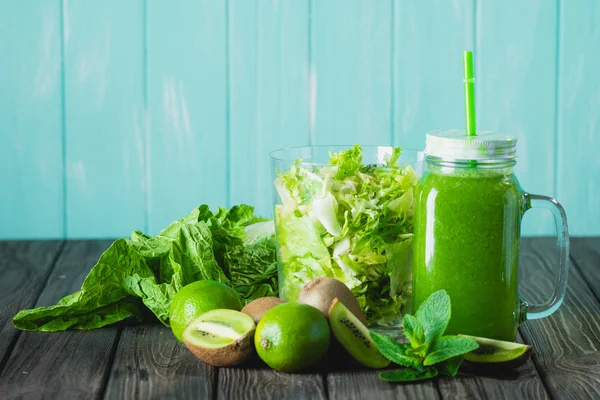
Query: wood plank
104	118
566	344
350	72
522	383
578	164
72	364
24	268
31	142
585	253
366	384
260	382
516	89
269	100
150	363
187	100
428	43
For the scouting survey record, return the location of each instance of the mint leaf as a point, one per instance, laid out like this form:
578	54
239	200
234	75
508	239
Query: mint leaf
450	367
413	330
420	351
447	347
395	351
434	315
408	375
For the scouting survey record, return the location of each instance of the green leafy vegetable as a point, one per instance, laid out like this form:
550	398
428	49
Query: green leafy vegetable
413	330
252	266
420	350
408	375
348	162
450	367
352	222
396	352
434	315
428	350
447	347
230	246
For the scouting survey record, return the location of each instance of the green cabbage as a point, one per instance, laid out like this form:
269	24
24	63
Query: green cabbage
352	222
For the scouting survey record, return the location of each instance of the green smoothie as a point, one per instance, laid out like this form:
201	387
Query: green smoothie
467	223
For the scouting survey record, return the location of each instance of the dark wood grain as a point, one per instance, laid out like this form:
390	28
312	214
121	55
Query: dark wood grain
566	344
522	383
24	268
150	363
64	365
361	384
260	383
585	253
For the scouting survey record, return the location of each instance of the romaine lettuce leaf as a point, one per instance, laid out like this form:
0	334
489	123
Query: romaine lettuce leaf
230	246
253	265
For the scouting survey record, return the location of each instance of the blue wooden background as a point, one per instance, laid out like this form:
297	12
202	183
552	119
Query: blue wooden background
120	115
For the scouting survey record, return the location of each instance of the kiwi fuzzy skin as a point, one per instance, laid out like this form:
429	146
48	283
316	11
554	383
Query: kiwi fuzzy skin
320	292
256	309
230	355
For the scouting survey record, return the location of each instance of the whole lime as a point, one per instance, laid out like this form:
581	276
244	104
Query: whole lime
292	336
197	298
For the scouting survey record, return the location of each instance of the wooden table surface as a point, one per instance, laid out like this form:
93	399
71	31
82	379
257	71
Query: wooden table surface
145	361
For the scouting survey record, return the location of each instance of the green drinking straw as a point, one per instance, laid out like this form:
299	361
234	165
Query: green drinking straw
469	93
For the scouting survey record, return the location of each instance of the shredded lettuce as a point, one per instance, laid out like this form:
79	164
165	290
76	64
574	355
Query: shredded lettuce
349	221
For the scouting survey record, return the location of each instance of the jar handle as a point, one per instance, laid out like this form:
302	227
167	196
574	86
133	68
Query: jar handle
535	311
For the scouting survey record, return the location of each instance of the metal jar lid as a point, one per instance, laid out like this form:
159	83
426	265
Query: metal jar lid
455	144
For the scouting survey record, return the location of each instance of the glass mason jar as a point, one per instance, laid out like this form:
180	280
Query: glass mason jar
354	224
468	211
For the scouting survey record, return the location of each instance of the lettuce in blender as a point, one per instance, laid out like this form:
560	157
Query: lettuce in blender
349	221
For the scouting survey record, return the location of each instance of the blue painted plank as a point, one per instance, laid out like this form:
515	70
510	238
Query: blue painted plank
300	71
515	90
350	73
31	156
427	73
579	115
187	91
104	109
269	97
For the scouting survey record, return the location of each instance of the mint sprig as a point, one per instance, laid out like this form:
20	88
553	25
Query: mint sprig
408	374
398	353
450	367
429	352
434	315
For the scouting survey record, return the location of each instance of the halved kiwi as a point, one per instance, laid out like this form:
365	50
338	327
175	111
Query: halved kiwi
320	292
354	336
221	337
498	353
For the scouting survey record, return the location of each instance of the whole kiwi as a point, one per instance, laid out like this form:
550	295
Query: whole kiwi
320	292
257	308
